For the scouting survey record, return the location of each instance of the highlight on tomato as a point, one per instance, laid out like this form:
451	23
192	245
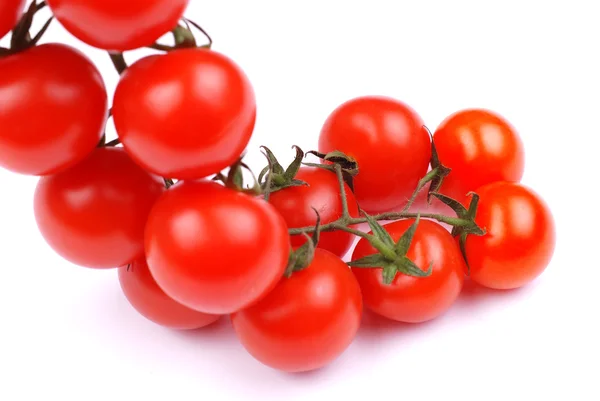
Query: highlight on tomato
520	237
307	321
94	213
185	115
54	109
150	300
214	249
297	205
480	147
10	12
388	140
407	298
118	25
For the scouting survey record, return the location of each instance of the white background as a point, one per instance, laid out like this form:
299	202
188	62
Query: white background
68	332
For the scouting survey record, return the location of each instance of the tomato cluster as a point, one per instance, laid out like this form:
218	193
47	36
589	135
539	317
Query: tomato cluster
165	203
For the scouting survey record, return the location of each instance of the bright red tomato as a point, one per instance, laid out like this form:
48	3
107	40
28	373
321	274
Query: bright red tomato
390	144
480	147
118	25
520	238
10	12
296	205
54	108
307	321
213	249
413	299
150	301
94	214
185	115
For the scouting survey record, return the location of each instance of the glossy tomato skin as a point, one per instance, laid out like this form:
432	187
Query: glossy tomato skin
480	147
185	115
150	300
118	25
54	108
94	214
307	321
390	144
296	205
213	249
520	236
10	12
412	299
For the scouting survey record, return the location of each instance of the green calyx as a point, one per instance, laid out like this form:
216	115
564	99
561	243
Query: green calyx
435	177
234	179
348	165
302	257
274	177
184	38
392	255
441	171
469	226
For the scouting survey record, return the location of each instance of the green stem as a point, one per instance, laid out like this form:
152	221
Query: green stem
345	213
338	224
376	242
422	183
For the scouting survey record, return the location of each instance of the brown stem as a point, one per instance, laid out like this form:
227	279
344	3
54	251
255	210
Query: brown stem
118	61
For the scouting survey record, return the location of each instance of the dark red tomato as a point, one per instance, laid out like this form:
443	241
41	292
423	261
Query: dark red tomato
480	147
296	205
54	108
94	214
10	12
520	238
413	299
185	115
150	301
390	144
307	321
213	249
118	25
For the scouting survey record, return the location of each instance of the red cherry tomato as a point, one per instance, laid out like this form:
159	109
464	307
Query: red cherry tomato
480	147
150	301
54	108
520	238
296	205
390	144
94	214
185	115
213	249
307	321
414	299
118	25
10	12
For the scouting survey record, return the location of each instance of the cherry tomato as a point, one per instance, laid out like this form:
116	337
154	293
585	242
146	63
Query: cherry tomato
10	12
390	144
213	249
185	115
54	108
480	147
296	205
414	299
118	25
150	301
307	321
520	238
94	214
